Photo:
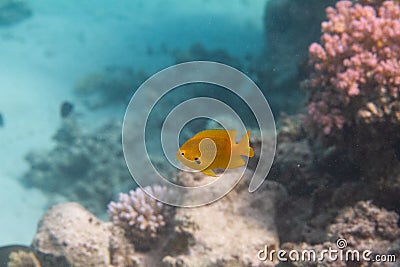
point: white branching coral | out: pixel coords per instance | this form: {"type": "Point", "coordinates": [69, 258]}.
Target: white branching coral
{"type": "Point", "coordinates": [141, 216]}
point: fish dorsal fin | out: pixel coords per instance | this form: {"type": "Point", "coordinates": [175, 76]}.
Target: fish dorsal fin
{"type": "Point", "coordinates": [205, 134]}
{"type": "Point", "coordinates": [215, 133]}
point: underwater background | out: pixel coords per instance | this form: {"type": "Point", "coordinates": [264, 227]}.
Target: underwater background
{"type": "Point", "coordinates": [69, 68]}
{"type": "Point", "coordinates": [50, 49]}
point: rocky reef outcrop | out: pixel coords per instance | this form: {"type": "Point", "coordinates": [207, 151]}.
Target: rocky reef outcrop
{"type": "Point", "coordinates": [328, 162]}
{"type": "Point", "coordinates": [363, 227]}
{"type": "Point", "coordinates": [69, 235]}
{"type": "Point", "coordinates": [23, 259]}
{"type": "Point", "coordinates": [228, 232]}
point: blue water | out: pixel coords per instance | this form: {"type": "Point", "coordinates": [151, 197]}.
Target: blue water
{"type": "Point", "coordinates": [42, 58]}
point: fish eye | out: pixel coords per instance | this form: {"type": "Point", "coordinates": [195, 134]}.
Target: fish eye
{"type": "Point", "coordinates": [183, 153]}
{"type": "Point", "coordinates": [196, 158]}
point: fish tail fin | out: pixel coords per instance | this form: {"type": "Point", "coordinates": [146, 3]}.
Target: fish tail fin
{"type": "Point", "coordinates": [244, 146]}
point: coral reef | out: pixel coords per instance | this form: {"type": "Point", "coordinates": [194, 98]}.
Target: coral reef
{"type": "Point", "coordinates": [374, 3]}
{"type": "Point", "coordinates": [295, 169]}
{"type": "Point", "coordinates": [321, 183]}
{"type": "Point", "coordinates": [296, 207]}
{"type": "Point", "coordinates": [242, 224]}
{"type": "Point", "coordinates": [23, 259]}
{"type": "Point", "coordinates": [356, 69]}
{"type": "Point", "coordinates": [364, 227]}
{"type": "Point", "coordinates": [354, 92]}
{"type": "Point", "coordinates": [122, 251]}
{"type": "Point", "coordinates": [290, 26]}
{"type": "Point", "coordinates": [87, 167]}
{"type": "Point", "coordinates": [68, 235]}
{"type": "Point", "coordinates": [109, 87]}
{"type": "Point", "coordinates": [228, 232]}
{"type": "Point", "coordinates": [141, 216]}
{"type": "Point", "coordinates": [13, 11]}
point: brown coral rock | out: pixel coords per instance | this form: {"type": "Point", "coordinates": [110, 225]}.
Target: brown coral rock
{"type": "Point", "coordinates": [23, 259]}
{"type": "Point", "coordinates": [69, 235]}
{"type": "Point", "coordinates": [365, 226]}
{"type": "Point", "coordinates": [228, 232]}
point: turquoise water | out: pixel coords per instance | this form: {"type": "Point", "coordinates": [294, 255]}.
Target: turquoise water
{"type": "Point", "coordinates": [45, 55]}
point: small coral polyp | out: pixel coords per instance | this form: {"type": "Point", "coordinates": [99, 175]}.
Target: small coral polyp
{"type": "Point", "coordinates": [356, 68]}
{"type": "Point", "coordinates": [141, 216]}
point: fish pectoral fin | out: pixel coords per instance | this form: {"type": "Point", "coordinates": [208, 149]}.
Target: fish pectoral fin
{"type": "Point", "coordinates": [209, 172]}
{"type": "Point", "coordinates": [236, 162]}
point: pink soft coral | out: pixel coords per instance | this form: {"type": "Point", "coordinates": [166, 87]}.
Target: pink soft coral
{"type": "Point", "coordinates": [356, 76]}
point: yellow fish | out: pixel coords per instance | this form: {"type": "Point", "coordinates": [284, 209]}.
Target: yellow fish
{"type": "Point", "coordinates": [214, 149]}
